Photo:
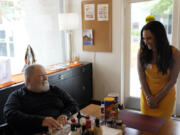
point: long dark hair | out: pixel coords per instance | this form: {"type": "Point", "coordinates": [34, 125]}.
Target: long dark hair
{"type": "Point", "coordinates": [164, 50]}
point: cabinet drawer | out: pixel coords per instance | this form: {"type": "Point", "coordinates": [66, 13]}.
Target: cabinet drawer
{"type": "Point", "coordinates": [82, 70]}
{"type": "Point", "coordinates": [53, 78]}
{"type": "Point", "coordinates": [81, 89]}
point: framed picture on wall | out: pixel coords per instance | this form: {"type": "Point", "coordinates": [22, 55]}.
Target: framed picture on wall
{"type": "Point", "coordinates": [88, 37]}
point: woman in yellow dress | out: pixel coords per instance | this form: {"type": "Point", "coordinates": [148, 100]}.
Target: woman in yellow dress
{"type": "Point", "coordinates": [158, 69]}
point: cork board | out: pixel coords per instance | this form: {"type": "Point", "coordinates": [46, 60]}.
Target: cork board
{"type": "Point", "coordinates": [100, 26]}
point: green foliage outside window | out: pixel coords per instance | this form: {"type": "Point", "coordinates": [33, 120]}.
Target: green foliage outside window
{"type": "Point", "coordinates": [162, 7]}
{"type": "Point", "coordinates": [7, 7]}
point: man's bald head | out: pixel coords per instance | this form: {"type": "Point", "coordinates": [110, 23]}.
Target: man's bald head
{"type": "Point", "coordinates": [30, 70]}
{"type": "Point", "coordinates": [36, 78]}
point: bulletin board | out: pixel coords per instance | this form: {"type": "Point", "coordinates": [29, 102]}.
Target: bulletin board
{"type": "Point", "coordinates": [97, 25]}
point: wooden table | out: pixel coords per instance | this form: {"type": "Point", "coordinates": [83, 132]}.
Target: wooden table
{"type": "Point", "coordinates": [138, 124]}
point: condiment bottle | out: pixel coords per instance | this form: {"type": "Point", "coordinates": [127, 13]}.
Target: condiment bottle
{"type": "Point", "coordinates": [97, 128]}
{"type": "Point", "coordinates": [113, 119]}
{"type": "Point", "coordinates": [73, 127]}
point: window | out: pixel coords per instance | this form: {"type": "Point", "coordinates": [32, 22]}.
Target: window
{"type": "Point", "coordinates": [34, 22]}
{"type": "Point", "coordinates": [6, 44]}
{"type": "Point", "coordinates": [3, 49]}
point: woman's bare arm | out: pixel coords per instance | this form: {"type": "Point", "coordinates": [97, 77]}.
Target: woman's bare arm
{"type": "Point", "coordinates": [142, 78]}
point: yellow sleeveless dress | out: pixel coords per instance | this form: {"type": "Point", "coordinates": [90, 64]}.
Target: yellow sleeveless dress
{"type": "Point", "coordinates": [156, 82]}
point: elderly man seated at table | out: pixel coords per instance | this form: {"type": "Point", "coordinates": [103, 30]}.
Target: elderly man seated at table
{"type": "Point", "coordinates": [38, 106]}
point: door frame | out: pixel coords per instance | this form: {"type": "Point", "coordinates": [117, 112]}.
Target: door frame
{"type": "Point", "coordinates": [133, 102]}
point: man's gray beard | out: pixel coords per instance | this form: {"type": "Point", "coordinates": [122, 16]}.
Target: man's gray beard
{"type": "Point", "coordinates": [44, 87]}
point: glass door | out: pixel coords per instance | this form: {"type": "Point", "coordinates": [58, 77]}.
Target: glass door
{"type": "Point", "coordinates": [138, 11]}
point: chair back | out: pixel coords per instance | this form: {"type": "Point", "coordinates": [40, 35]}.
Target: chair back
{"type": "Point", "coordinates": [5, 129]}
{"type": "Point", "coordinates": [4, 93]}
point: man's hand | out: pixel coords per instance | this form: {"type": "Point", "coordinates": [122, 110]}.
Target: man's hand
{"type": "Point", "coordinates": [51, 123]}
{"type": "Point", "coordinates": [62, 119]}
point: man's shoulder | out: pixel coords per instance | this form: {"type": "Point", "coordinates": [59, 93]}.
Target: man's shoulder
{"type": "Point", "coordinates": [19, 92]}
{"type": "Point", "coordinates": [55, 88]}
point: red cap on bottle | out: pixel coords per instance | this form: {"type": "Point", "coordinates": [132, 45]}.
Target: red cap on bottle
{"type": "Point", "coordinates": [113, 113]}
{"type": "Point", "coordinates": [88, 124]}
{"type": "Point", "coordinates": [87, 117]}
{"type": "Point", "coordinates": [73, 120]}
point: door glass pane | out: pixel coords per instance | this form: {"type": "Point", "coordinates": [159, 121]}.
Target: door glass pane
{"type": "Point", "coordinates": [162, 10]}
{"type": "Point", "coordinates": [3, 49]}
{"type": "Point", "coordinates": [11, 48]}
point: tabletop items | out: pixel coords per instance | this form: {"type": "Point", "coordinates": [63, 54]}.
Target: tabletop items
{"type": "Point", "coordinates": [110, 112]}
{"type": "Point", "coordinates": [85, 125]}
{"type": "Point", "coordinates": [89, 125]}
{"type": "Point", "coordinates": [137, 124]}
{"type": "Point", "coordinates": [108, 121]}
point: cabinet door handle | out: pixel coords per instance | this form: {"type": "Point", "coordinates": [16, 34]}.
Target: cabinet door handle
{"type": "Point", "coordinates": [61, 77]}
{"type": "Point", "coordinates": [83, 70]}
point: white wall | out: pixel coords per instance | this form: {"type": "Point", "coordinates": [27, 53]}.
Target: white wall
{"type": "Point", "coordinates": [106, 66]}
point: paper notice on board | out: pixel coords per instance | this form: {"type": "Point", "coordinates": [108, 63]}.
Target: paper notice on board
{"type": "Point", "coordinates": [87, 37]}
{"type": "Point", "coordinates": [102, 12]}
{"type": "Point", "coordinates": [89, 12]}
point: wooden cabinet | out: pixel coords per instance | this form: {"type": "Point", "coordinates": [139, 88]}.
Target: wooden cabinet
{"type": "Point", "coordinates": [76, 81]}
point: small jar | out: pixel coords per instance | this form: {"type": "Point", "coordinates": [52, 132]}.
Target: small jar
{"type": "Point", "coordinates": [119, 124]}
{"type": "Point", "coordinates": [109, 122]}
{"type": "Point", "coordinates": [102, 108]}
{"type": "Point", "coordinates": [123, 128]}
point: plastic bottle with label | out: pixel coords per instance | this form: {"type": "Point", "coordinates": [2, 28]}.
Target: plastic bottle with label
{"type": "Point", "coordinates": [73, 127]}
{"type": "Point", "coordinates": [109, 105]}
{"type": "Point", "coordinates": [97, 127]}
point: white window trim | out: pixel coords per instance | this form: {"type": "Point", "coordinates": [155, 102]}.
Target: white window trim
{"type": "Point", "coordinates": [126, 49]}
{"type": "Point", "coordinates": [176, 43]}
